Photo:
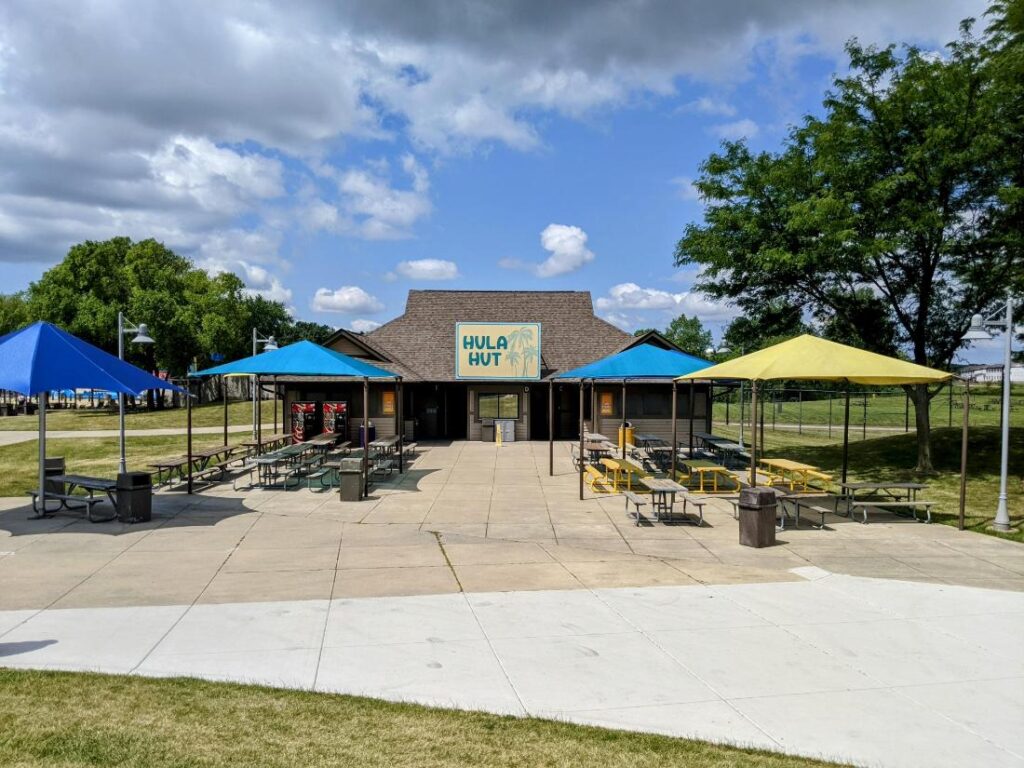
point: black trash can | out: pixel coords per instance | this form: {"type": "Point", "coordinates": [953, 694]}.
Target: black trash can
{"type": "Point", "coordinates": [51, 467]}
{"type": "Point", "coordinates": [757, 517]}
{"type": "Point", "coordinates": [350, 484]}
{"type": "Point", "coordinates": [135, 497]}
{"type": "Point", "coordinates": [362, 434]}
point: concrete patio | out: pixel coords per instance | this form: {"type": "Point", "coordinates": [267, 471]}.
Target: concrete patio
{"type": "Point", "coordinates": [464, 517]}
{"type": "Point", "coordinates": [477, 581]}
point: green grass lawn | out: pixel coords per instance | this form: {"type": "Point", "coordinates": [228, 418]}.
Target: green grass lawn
{"type": "Point", "coordinates": [892, 457]}
{"type": "Point", "coordinates": [885, 409]}
{"type": "Point", "coordinates": [94, 456]}
{"type": "Point", "coordinates": [69, 719]}
{"type": "Point", "coordinates": [209, 415]}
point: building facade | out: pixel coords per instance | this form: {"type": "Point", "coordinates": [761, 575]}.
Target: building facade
{"type": "Point", "coordinates": [468, 358]}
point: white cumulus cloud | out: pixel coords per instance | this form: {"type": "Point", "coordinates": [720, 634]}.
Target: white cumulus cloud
{"type": "Point", "coordinates": [736, 130]}
{"type": "Point", "coordinates": [428, 269]}
{"type": "Point", "coordinates": [631, 298]}
{"type": "Point", "coordinates": [349, 299]}
{"type": "Point", "coordinates": [364, 326]}
{"type": "Point", "coordinates": [381, 211]}
{"type": "Point", "coordinates": [568, 247]}
{"type": "Point", "coordinates": [685, 189]}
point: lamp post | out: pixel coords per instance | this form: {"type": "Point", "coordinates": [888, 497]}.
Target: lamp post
{"type": "Point", "coordinates": [141, 331]}
{"type": "Point", "coordinates": [724, 350]}
{"type": "Point", "coordinates": [269, 343]}
{"type": "Point", "coordinates": [978, 331]}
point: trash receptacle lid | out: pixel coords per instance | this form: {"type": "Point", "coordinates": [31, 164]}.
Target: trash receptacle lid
{"type": "Point", "coordinates": [134, 479]}
{"type": "Point", "coordinates": [757, 497]}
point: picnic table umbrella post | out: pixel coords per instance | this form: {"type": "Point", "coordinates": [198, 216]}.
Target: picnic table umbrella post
{"type": "Point", "coordinates": [366, 436]}
{"type": "Point", "coordinates": [623, 428]}
{"type": "Point", "coordinates": [581, 439]}
{"type": "Point", "coordinates": [551, 428]}
{"type": "Point", "coordinates": [675, 430]}
{"type": "Point", "coordinates": [41, 357]}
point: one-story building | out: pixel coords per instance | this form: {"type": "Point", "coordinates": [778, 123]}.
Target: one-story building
{"type": "Point", "coordinates": [467, 358]}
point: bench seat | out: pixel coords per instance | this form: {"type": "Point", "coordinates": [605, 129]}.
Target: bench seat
{"type": "Point", "coordinates": [636, 500]}
{"type": "Point", "coordinates": [894, 505]}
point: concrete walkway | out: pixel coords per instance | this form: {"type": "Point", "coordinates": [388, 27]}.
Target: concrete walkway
{"type": "Point", "coordinates": [869, 671]}
{"type": "Point", "coordinates": [22, 436]}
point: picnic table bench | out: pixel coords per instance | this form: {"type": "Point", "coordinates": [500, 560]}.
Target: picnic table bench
{"type": "Point", "coordinates": [895, 496]}
{"type": "Point", "coordinates": [89, 484]}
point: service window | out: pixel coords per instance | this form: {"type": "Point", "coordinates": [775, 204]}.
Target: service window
{"type": "Point", "coordinates": [498, 406]}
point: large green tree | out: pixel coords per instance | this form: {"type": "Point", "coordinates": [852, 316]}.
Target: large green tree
{"type": "Point", "coordinates": [14, 313]}
{"type": "Point", "coordinates": [891, 217]}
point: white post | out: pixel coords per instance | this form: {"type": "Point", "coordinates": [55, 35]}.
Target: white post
{"type": "Point", "coordinates": [1002, 522]}
{"type": "Point", "coordinates": [252, 382]}
{"type": "Point", "coordinates": [122, 466]}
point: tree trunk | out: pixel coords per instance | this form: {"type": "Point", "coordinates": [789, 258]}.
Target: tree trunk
{"type": "Point", "coordinates": [922, 419]}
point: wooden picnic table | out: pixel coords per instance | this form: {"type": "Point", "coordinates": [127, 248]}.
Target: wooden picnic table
{"type": "Point", "coordinates": [704, 467]}
{"type": "Point", "coordinates": [597, 449]}
{"type": "Point", "coordinates": [620, 467]}
{"type": "Point", "coordinates": [171, 466]}
{"type": "Point", "coordinates": [793, 473]}
{"type": "Point", "coordinates": [263, 442]}
{"type": "Point", "coordinates": [663, 495]}
{"type": "Point", "coordinates": [595, 437]}
{"type": "Point", "coordinates": [894, 491]}
{"type": "Point", "coordinates": [86, 483]}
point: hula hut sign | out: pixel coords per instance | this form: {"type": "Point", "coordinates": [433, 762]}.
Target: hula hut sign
{"type": "Point", "coordinates": [503, 351]}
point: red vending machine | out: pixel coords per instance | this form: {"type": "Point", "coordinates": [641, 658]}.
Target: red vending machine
{"type": "Point", "coordinates": [303, 421]}
{"type": "Point", "coordinates": [336, 418]}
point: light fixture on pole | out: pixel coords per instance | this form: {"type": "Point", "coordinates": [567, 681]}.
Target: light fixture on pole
{"type": "Point", "coordinates": [269, 344]}
{"type": "Point", "coordinates": [141, 331]}
{"type": "Point", "coordinates": [979, 331]}
{"type": "Point", "coordinates": [724, 350]}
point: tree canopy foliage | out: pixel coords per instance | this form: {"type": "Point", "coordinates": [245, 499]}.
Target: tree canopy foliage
{"type": "Point", "coordinates": [191, 313]}
{"type": "Point", "coordinates": [687, 333]}
{"type": "Point", "coordinates": [894, 215]}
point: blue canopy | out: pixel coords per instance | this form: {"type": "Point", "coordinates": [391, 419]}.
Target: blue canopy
{"type": "Point", "coordinates": [42, 357]}
{"type": "Point", "coordinates": [644, 361]}
{"type": "Point", "coordinates": [303, 358]}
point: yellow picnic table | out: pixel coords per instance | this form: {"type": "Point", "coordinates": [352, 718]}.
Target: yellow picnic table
{"type": "Point", "coordinates": [702, 468]}
{"type": "Point", "coordinates": [621, 467]}
{"type": "Point", "coordinates": [788, 472]}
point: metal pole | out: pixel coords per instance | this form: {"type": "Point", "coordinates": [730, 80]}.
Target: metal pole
{"type": "Point", "coordinates": [259, 422]}
{"type": "Point", "coordinates": [800, 413]}
{"type": "Point", "coordinates": [690, 439]}
{"type": "Point", "coordinates": [623, 427]}
{"type": "Point", "coordinates": [675, 430]}
{"type": "Point", "coordinates": [551, 428]}
{"type": "Point", "coordinates": [906, 411]}
{"type": "Point", "coordinates": [761, 440]}
{"type": "Point", "coordinates": [42, 453]}
{"type": "Point", "coordinates": [581, 438]}
{"type": "Point", "coordinates": [122, 466]}
{"type": "Point", "coordinates": [830, 414]}
{"type": "Point", "coordinates": [846, 433]}
{"type": "Point", "coordinates": [728, 398]}
{"type": "Point", "coordinates": [950, 403]}
{"type": "Point", "coordinates": [400, 416]}
{"type": "Point", "coordinates": [1002, 521]}
{"type": "Point", "coordinates": [366, 436]}
{"type": "Point", "coordinates": [252, 382]}
{"type": "Point", "coordinates": [963, 452]}
{"type": "Point", "coordinates": [224, 396]}
{"type": "Point", "coordinates": [188, 439]}
{"type": "Point", "coordinates": [753, 433]}
{"type": "Point", "coordinates": [741, 415]}
{"type": "Point", "coordinates": [275, 406]}
{"type": "Point", "coordinates": [864, 421]}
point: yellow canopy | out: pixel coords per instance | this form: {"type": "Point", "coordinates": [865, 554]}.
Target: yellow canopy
{"type": "Point", "coordinates": [811, 358]}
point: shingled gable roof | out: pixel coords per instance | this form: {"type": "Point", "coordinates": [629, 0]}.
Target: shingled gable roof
{"type": "Point", "coordinates": [423, 339]}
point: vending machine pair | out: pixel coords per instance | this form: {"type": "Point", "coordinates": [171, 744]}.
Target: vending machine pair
{"type": "Point", "coordinates": [311, 418]}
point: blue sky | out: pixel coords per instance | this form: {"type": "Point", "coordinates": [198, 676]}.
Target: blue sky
{"type": "Point", "coordinates": [336, 158]}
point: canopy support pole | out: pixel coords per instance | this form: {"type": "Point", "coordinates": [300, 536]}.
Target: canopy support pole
{"type": "Point", "coordinates": [275, 406]}
{"type": "Point", "coordinates": [398, 420]}
{"type": "Point", "coordinates": [42, 454]}
{"type": "Point", "coordinates": [753, 433]}
{"type": "Point", "coordinates": [692, 395]}
{"type": "Point", "coordinates": [623, 427]}
{"type": "Point", "coordinates": [846, 432]}
{"type": "Point", "coordinates": [581, 439]}
{"type": "Point", "coordinates": [188, 438]}
{"type": "Point", "coordinates": [963, 451]}
{"type": "Point", "coordinates": [551, 428]}
{"type": "Point", "coordinates": [259, 416]}
{"type": "Point", "coordinates": [366, 436]}
{"type": "Point", "coordinates": [675, 429]}
{"type": "Point", "coordinates": [224, 397]}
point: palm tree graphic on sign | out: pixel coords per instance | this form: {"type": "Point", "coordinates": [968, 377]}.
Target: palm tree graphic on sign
{"type": "Point", "coordinates": [522, 350]}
